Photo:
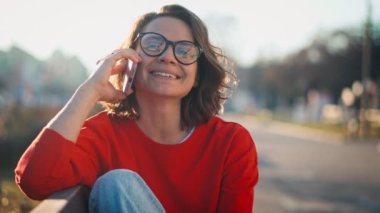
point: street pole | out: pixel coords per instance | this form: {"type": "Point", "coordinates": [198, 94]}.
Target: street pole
{"type": "Point", "coordinates": [364, 128]}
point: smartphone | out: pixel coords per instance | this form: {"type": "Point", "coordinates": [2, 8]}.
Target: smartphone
{"type": "Point", "coordinates": [128, 80]}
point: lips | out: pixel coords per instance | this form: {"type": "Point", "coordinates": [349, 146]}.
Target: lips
{"type": "Point", "coordinates": [163, 74]}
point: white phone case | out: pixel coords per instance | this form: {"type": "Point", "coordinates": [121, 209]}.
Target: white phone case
{"type": "Point", "coordinates": [128, 80]}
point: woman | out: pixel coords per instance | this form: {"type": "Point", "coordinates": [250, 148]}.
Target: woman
{"type": "Point", "coordinates": [160, 147]}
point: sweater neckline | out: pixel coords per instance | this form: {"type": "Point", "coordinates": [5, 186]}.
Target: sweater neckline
{"type": "Point", "coordinates": [185, 141]}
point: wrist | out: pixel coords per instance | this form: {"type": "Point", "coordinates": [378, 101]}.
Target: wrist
{"type": "Point", "coordinates": [87, 93]}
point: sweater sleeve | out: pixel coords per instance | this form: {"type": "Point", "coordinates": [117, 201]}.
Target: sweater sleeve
{"type": "Point", "coordinates": [52, 163]}
{"type": "Point", "coordinates": [240, 175]}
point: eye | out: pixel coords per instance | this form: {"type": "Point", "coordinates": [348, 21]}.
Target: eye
{"type": "Point", "coordinates": [153, 44]}
{"type": "Point", "coordinates": [186, 50]}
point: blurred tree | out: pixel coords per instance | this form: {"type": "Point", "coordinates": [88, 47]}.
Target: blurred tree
{"type": "Point", "coordinates": [329, 63]}
{"type": "Point", "coordinates": [31, 92]}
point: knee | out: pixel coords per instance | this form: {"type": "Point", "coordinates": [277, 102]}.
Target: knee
{"type": "Point", "coordinates": [117, 177]}
{"type": "Point", "coordinates": [123, 189]}
{"type": "Point", "coordinates": [119, 174]}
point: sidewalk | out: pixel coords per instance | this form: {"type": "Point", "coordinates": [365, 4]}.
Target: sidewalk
{"type": "Point", "coordinates": [303, 169]}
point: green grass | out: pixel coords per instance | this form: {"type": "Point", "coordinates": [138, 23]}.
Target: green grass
{"type": "Point", "coordinates": [326, 127]}
{"type": "Point", "coordinates": [12, 199]}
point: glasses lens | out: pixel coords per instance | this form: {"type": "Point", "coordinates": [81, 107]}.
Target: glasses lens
{"type": "Point", "coordinates": [186, 52]}
{"type": "Point", "coordinates": [152, 44]}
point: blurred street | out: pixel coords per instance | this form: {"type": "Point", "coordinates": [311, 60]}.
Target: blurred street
{"type": "Point", "coordinates": [309, 171]}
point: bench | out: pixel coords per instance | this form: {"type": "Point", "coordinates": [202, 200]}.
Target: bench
{"type": "Point", "coordinates": [74, 199]}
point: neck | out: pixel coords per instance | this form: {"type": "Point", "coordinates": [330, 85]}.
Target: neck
{"type": "Point", "coordinates": [160, 120]}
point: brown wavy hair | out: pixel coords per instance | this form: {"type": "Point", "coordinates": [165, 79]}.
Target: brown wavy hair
{"type": "Point", "coordinates": [215, 81]}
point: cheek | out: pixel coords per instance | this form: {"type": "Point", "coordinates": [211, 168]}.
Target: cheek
{"type": "Point", "coordinates": [193, 73]}
{"type": "Point", "coordinates": [140, 71]}
{"type": "Point", "coordinates": [142, 66]}
{"type": "Point", "coordinates": [194, 76]}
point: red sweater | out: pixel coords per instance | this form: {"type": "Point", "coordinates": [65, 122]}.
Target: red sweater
{"type": "Point", "coordinates": [215, 170]}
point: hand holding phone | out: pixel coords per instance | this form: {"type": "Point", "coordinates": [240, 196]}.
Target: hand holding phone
{"type": "Point", "coordinates": [128, 79]}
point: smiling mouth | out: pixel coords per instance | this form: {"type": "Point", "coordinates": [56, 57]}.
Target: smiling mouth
{"type": "Point", "coordinates": [164, 75]}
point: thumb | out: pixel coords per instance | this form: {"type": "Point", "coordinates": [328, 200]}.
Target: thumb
{"type": "Point", "coordinates": [119, 95]}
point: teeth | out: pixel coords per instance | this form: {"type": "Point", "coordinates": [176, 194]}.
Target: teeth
{"type": "Point", "coordinates": [163, 74]}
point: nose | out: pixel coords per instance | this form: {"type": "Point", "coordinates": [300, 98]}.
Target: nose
{"type": "Point", "coordinates": [168, 55]}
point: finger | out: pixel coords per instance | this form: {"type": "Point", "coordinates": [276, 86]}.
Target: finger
{"type": "Point", "coordinates": [117, 61]}
{"type": "Point", "coordinates": [121, 54]}
{"type": "Point", "coordinates": [107, 56]}
{"type": "Point", "coordinates": [117, 95]}
{"type": "Point", "coordinates": [130, 91]}
{"type": "Point", "coordinates": [119, 66]}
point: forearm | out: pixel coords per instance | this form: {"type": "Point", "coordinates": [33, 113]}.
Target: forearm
{"type": "Point", "coordinates": [71, 117]}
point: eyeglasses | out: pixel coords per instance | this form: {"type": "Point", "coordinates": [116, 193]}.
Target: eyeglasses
{"type": "Point", "coordinates": [154, 44]}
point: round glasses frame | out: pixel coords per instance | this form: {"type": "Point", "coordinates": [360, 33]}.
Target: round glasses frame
{"type": "Point", "coordinates": [167, 43]}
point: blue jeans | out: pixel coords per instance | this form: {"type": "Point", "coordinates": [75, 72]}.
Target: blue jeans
{"type": "Point", "coordinates": [122, 190]}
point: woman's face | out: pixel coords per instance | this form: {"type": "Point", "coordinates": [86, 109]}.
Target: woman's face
{"type": "Point", "coordinates": [163, 75]}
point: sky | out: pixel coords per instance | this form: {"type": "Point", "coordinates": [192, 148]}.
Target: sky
{"type": "Point", "coordinates": [246, 29]}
